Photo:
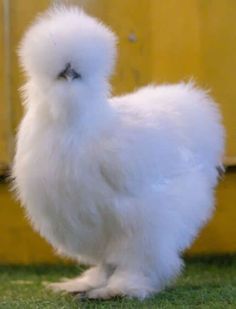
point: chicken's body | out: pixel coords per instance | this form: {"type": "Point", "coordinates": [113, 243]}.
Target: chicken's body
{"type": "Point", "coordinates": [122, 183]}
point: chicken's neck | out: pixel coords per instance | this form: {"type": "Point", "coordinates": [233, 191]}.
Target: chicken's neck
{"type": "Point", "coordinates": [94, 114]}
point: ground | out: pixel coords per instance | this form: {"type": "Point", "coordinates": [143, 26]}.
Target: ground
{"type": "Point", "coordinates": [207, 282]}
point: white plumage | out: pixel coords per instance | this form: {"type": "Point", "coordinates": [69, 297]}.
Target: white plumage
{"type": "Point", "coordinates": [121, 183]}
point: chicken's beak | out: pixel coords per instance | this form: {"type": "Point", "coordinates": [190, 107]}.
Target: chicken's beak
{"type": "Point", "coordinates": [69, 73]}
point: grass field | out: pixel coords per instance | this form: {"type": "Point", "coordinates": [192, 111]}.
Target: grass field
{"type": "Point", "coordinates": [207, 282]}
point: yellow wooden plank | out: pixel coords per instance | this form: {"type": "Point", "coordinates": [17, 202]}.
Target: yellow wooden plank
{"type": "Point", "coordinates": [218, 44]}
{"type": "Point", "coordinates": [19, 244]}
{"type": "Point", "coordinates": [196, 38]}
{"type": "Point", "coordinates": [22, 13]}
{"type": "Point", "coordinates": [130, 20]}
{"type": "Point", "coordinates": [3, 114]}
{"type": "Point", "coordinates": [219, 236]}
{"type": "Point", "coordinates": [176, 41]}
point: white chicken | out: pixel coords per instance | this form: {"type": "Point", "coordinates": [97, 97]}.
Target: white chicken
{"type": "Point", "coordinates": [124, 183]}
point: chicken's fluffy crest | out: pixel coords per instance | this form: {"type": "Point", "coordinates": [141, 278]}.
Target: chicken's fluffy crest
{"type": "Point", "coordinates": [65, 34]}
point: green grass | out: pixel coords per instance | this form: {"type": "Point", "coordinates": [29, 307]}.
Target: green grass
{"type": "Point", "coordinates": [206, 283]}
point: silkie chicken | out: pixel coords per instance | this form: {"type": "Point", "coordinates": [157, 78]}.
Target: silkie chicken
{"type": "Point", "coordinates": [120, 183]}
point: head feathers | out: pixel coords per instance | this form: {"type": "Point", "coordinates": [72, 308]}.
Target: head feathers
{"type": "Point", "coordinates": [67, 35]}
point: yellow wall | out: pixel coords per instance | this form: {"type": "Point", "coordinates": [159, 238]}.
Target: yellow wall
{"type": "Point", "coordinates": [197, 38]}
{"type": "Point", "coordinates": [175, 40]}
{"type": "Point", "coordinates": [159, 41]}
{"type": "Point", "coordinates": [3, 114]}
